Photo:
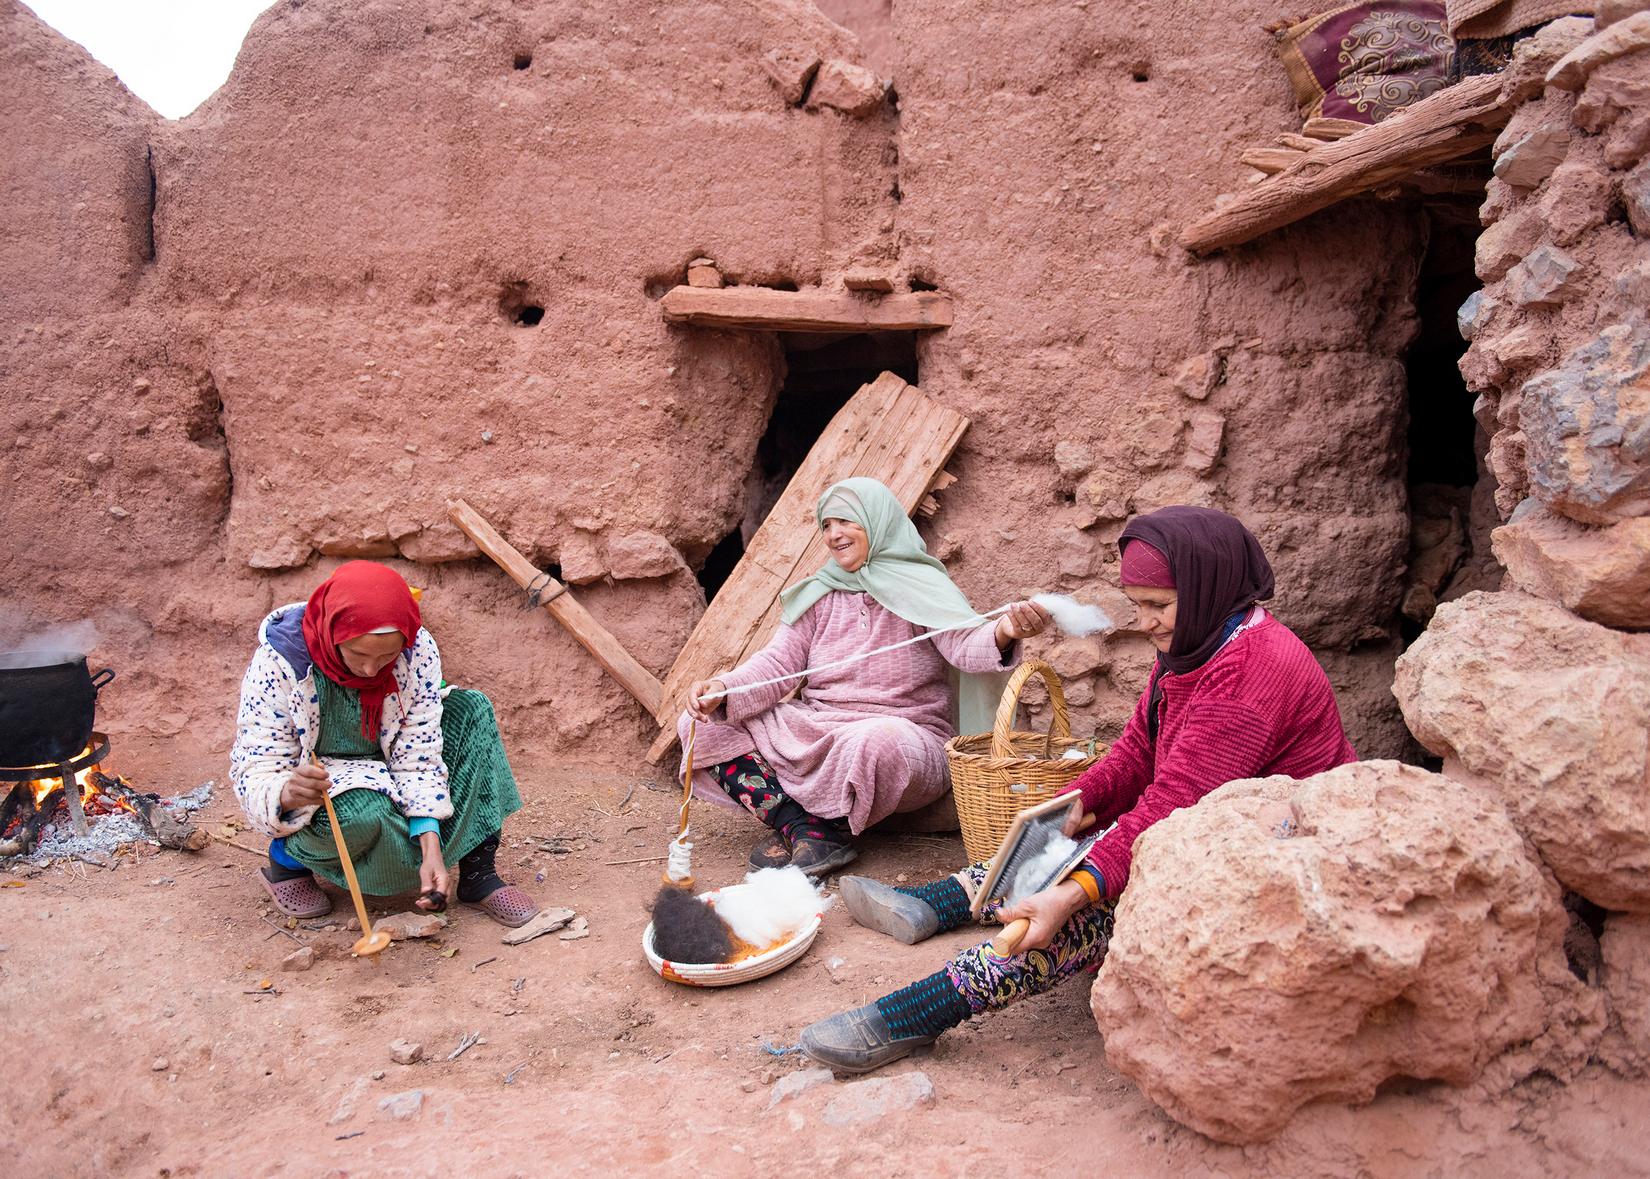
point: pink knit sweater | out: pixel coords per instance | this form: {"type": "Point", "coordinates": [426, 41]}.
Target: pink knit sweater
{"type": "Point", "coordinates": [1260, 706]}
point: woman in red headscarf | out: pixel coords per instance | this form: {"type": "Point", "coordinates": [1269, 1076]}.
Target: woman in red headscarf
{"type": "Point", "coordinates": [1234, 695]}
{"type": "Point", "coordinates": [344, 697]}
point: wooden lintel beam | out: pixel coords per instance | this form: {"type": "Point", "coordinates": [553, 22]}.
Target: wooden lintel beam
{"type": "Point", "coordinates": [765, 309]}
{"type": "Point", "coordinates": [563, 607]}
{"type": "Point", "coordinates": [1452, 123]}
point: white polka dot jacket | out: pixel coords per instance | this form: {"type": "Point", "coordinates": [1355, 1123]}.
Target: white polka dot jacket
{"type": "Point", "coordinates": [279, 721]}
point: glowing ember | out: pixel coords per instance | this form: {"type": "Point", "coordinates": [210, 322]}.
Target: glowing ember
{"type": "Point", "coordinates": [91, 797]}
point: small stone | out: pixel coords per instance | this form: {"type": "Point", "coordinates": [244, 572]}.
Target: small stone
{"type": "Point", "coordinates": [1530, 159]}
{"type": "Point", "coordinates": [141, 385]}
{"type": "Point", "coordinates": [1074, 459]}
{"type": "Point", "coordinates": [1198, 375]}
{"type": "Point", "coordinates": [791, 70]}
{"type": "Point", "coordinates": [411, 448]}
{"type": "Point", "coordinates": [1544, 279]}
{"type": "Point", "coordinates": [406, 1052]}
{"type": "Point", "coordinates": [797, 1084]}
{"type": "Point", "coordinates": [581, 562]}
{"type": "Point", "coordinates": [402, 1106]}
{"type": "Point", "coordinates": [843, 86]}
{"type": "Point", "coordinates": [99, 461]}
{"type": "Point", "coordinates": [702, 272]}
{"type": "Point", "coordinates": [748, 1086]}
{"type": "Point", "coordinates": [1503, 245]}
{"type": "Point", "coordinates": [487, 437]}
{"type": "Point", "coordinates": [160, 1065]}
{"type": "Point", "coordinates": [402, 926]}
{"type": "Point", "coordinates": [867, 1101]}
{"type": "Point", "coordinates": [300, 959]}
{"type": "Point", "coordinates": [1474, 313]}
{"type": "Point", "coordinates": [1204, 440]}
{"type": "Point", "coordinates": [379, 1074]}
{"type": "Point", "coordinates": [118, 512]}
{"type": "Point", "coordinates": [640, 555]}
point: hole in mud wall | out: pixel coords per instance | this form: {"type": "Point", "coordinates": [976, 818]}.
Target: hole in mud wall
{"type": "Point", "coordinates": [522, 60]}
{"type": "Point", "coordinates": [517, 304]}
{"type": "Point", "coordinates": [1444, 442]}
{"type": "Point", "coordinates": [821, 373]}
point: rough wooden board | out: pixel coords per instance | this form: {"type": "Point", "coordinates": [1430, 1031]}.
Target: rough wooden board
{"type": "Point", "coordinates": [563, 607]}
{"type": "Point", "coordinates": [1454, 122]}
{"type": "Point", "coordinates": [764, 309]}
{"type": "Point", "coordinates": [889, 431]}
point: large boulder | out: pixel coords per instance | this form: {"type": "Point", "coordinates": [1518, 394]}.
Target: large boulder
{"type": "Point", "coordinates": [1602, 574]}
{"type": "Point", "coordinates": [1625, 946]}
{"type": "Point", "coordinates": [1587, 428]}
{"type": "Point", "coordinates": [1285, 942]}
{"type": "Point", "coordinates": [1553, 713]}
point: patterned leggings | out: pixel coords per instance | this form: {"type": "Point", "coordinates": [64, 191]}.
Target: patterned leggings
{"type": "Point", "coordinates": [989, 981]}
{"type": "Point", "coordinates": [750, 781]}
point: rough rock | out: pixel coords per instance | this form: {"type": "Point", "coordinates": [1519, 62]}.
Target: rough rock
{"type": "Point", "coordinates": [1552, 713]}
{"type": "Point", "coordinates": [401, 1107]}
{"type": "Point", "coordinates": [1602, 574]}
{"type": "Point", "coordinates": [1197, 376]}
{"type": "Point", "coordinates": [870, 1100]}
{"type": "Point", "coordinates": [795, 1084]}
{"type": "Point", "coordinates": [1474, 313]}
{"type": "Point", "coordinates": [1206, 429]}
{"type": "Point", "coordinates": [1525, 76]}
{"type": "Point", "coordinates": [1616, 105]}
{"type": "Point", "coordinates": [1635, 195]}
{"type": "Point", "coordinates": [1532, 158]}
{"type": "Point", "coordinates": [702, 272]}
{"type": "Point", "coordinates": [1286, 942]}
{"type": "Point", "coordinates": [406, 1052]}
{"type": "Point", "coordinates": [581, 560]}
{"type": "Point", "coordinates": [1503, 245]}
{"type": "Point", "coordinates": [1587, 427]}
{"type": "Point", "coordinates": [1545, 278]}
{"type": "Point", "coordinates": [300, 959]}
{"type": "Point", "coordinates": [1622, 37]}
{"type": "Point", "coordinates": [790, 71]}
{"type": "Point", "coordinates": [868, 278]}
{"type": "Point", "coordinates": [1608, 12]}
{"type": "Point", "coordinates": [1073, 459]}
{"type": "Point", "coordinates": [1625, 977]}
{"type": "Point", "coordinates": [637, 555]}
{"type": "Point", "coordinates": [411, 924]}
{"type": "Point", "coordinates": [843, 86]}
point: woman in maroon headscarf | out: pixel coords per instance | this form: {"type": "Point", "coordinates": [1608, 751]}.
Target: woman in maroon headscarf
{"type": "Point", "coordinates": [344, 697]}
{"type": "Point", "coordinates": [1234, 695]}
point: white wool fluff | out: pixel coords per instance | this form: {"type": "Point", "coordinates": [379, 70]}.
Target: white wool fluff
{"type": "Point", "coordinates": [1077, 619]}
{"type": "Point", "coordinates": [771, 905]}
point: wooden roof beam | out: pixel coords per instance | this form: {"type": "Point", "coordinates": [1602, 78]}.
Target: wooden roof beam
{"type": "Point", "coordinates": [1452, 123]}
{"type": "Point", "coordinates": [765, 309]}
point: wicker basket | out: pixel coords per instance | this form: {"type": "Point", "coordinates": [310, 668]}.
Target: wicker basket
{"type": "Point", "coordinates": [996, 775]}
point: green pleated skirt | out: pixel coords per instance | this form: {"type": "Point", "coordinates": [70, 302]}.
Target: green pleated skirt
{"type": "Point", "coordinates": [386, 859]}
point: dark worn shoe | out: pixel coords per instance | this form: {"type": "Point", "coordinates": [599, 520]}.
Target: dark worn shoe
{"type": "Point", "coordinates": [816, 857]}
{"type": "Point", "coordinates": [887, 910]}
{"type": "Point", "coordinates": [770, 851]}
{"type": "Point", "coordinates": [857, 1041]}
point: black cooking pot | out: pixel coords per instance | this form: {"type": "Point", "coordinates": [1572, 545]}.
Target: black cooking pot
{"type": "Point", "coordinates": [47, 704]}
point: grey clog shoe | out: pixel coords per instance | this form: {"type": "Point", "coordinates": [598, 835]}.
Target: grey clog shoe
{"type": "Point", "coordinates": [858, 1041]}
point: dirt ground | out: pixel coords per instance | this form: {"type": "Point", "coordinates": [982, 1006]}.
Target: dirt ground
{"type": "Point", "coordinates": [134, 1047]}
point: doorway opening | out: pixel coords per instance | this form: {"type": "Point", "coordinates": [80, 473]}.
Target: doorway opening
{"type": "Point", "coordinates": [821, 373]}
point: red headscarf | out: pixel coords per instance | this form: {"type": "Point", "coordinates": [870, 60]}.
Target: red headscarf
{"type": "Point", "coordinates": [359, 598]}
{"type": "Point", "coordinates": [1144, 565]}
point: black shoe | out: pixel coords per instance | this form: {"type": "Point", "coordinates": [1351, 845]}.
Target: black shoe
{"type": "Point", "coordinates": [858, 1041]}
{"type": "Point", "coordinates": [816, 857]}
{"type": "Point", "coordinates": [770, 851]}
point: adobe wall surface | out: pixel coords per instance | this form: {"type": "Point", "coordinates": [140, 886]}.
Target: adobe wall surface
{"type": "Point", "coordinates": [324, 347]}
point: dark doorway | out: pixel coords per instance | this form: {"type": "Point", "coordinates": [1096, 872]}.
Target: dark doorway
{"type": "Point", "coordinates": [821, 373]}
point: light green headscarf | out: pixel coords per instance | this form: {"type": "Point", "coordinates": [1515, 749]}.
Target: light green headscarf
{"type": "Point", "coordinates": [898, 573]}
{"type": "Point", "coordinates": [901, 576]}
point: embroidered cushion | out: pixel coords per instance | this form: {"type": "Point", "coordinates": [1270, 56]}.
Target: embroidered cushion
{"type": "Point", "coordinates": [1361, 62]}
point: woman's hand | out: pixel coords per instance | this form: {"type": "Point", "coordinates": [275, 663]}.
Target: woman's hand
{"type": "Point", "coordinates": [307, 785]}
{"type": "Point", "coordinates": [1047, 911]}
{"type": "Point", "coordinates": [704, 698]}
{"type": "Point", "coordinates": [433, 873]}
{"type": "Point", "coordinates": [1023, 620]}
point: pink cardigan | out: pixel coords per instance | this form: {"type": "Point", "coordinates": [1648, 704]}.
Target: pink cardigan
{"type": "Point", "coordinates": [1260, 706]}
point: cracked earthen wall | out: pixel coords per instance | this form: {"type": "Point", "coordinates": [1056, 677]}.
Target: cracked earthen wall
{"type": "Point", "coordinates": [327, 341]}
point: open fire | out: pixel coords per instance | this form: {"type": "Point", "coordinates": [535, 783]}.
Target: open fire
{"type": "Point", "coordinates": [78, 791]}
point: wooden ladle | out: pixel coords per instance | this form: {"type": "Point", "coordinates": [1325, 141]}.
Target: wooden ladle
{"type": "Point", "coordinates": [371, 941]}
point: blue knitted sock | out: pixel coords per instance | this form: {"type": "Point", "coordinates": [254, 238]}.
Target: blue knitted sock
{"type": "Point", "coordinates": [948, 898]}
{"type": "Point", "coordinates": [925, 1008]}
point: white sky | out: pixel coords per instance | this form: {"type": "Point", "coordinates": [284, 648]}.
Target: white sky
{"type": "Point", "coordinates": [171, 53]}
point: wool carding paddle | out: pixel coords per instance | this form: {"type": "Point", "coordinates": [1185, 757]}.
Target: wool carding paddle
{"type": "Point", "coordinates": [1035, 854]}
{"type": "Point", "coordinates": [371, 941]}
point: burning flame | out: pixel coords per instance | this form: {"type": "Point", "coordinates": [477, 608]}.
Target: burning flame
{"type": "Point", "coordinates": [82, 779]}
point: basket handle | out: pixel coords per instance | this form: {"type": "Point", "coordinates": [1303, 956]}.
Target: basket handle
{"type": "Point", "coordinates": [1059, 725]}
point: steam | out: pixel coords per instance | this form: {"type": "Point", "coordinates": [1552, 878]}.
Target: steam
{"type": "Point", "coordinates": [26, 642]}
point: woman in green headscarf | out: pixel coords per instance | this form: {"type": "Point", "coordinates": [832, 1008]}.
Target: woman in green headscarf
{"type": "Point", "coordinates": [865, 740]}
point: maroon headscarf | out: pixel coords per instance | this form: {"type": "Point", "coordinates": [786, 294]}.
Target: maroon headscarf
{"type": "Point", "coordinates": [1218, 570]}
